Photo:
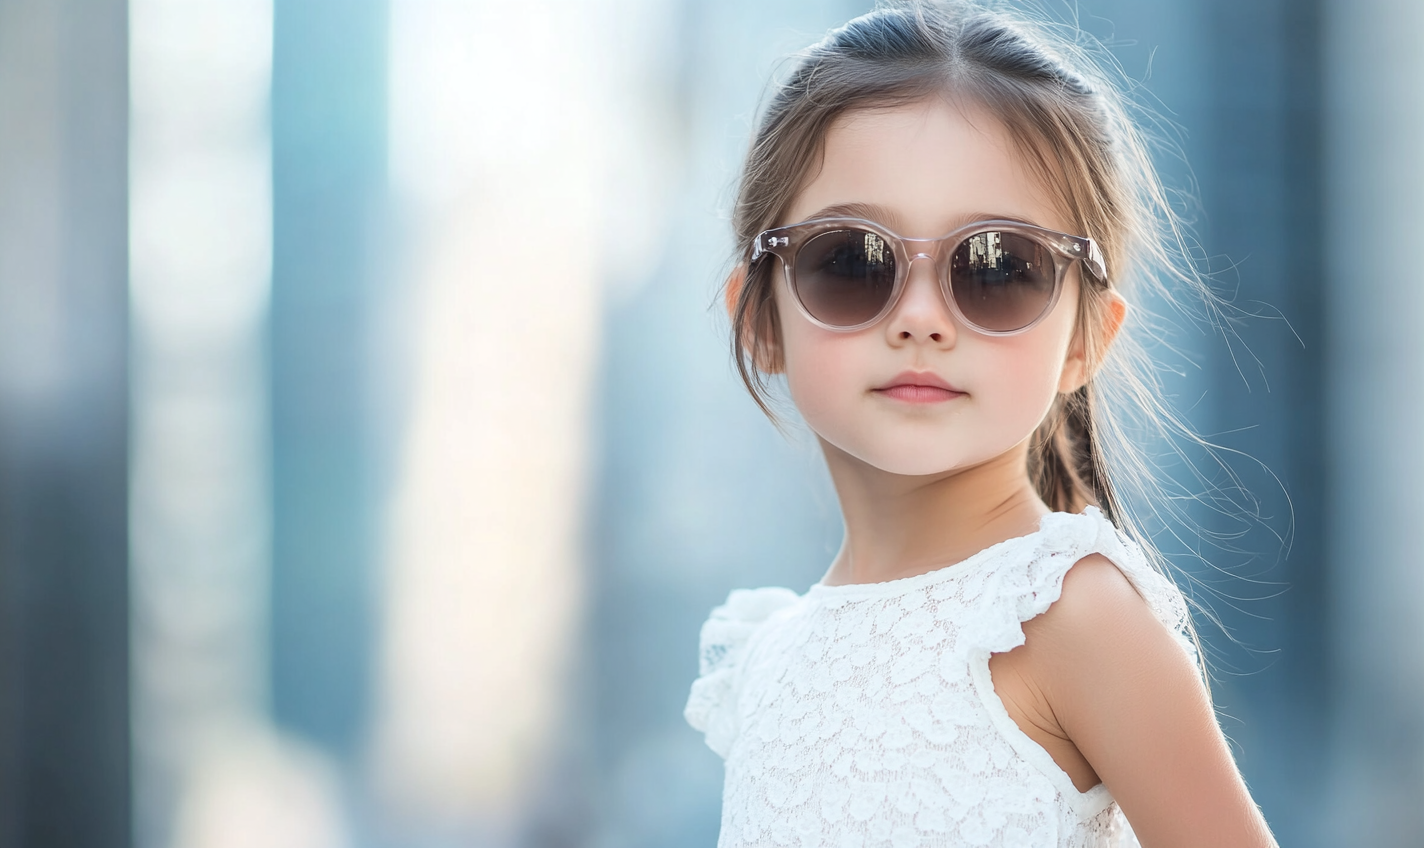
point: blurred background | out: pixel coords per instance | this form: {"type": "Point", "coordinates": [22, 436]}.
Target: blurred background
{"type": "Point", "coordinates": [370, 451]}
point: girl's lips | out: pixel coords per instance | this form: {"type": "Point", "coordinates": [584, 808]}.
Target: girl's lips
{"type": "Point", "coordinates": [919, 394]}
{"type": "Point", "coordinates": [919, 387]}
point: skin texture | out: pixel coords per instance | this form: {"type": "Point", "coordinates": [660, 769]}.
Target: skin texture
{"type": "Point", "coordinates": [1099, 683]}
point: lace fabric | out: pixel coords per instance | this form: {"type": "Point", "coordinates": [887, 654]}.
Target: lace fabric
{"type": "Point", "coordinates": [865, 714]}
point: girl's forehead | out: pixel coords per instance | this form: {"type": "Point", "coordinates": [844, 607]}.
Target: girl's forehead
{"type": "Point", "coordinates": [932, 165]}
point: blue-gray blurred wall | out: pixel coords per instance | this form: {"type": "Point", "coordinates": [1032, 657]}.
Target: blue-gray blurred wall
{"type": "Point", "coordinates": [64, 745]}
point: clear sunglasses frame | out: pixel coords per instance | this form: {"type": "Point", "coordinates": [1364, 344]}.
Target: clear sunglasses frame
{"type": "Point", "coordinates": [786, 242]}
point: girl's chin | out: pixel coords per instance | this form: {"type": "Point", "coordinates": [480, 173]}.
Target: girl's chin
{"type": "Point", "coordinates": [908, 464]}
{"type": "Point", "coordinates": [921, 469]}
{"type": "Point", "coordinates": [913, 458]}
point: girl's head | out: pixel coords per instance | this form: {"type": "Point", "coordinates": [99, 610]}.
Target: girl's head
{"type": "Point", "coordinates": [923, 118]}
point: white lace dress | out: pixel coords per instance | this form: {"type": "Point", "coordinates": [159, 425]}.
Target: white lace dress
{"type": "Point", "coordinates": [864, 715]}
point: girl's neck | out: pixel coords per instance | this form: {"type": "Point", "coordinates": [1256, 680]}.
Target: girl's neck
{"type": "Point", "coordinates": [898, 526]}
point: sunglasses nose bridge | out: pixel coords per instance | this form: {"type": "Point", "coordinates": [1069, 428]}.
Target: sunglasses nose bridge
{"type": "Point", "coordinates": [915, 257]}
{"type": "Point", "coordinates": [934, 260]}
{"type": "Point", "coordinates": [921, 248]}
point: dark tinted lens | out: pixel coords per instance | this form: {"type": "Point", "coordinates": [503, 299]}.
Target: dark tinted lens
{"type": "Point", "coordinates": [1001, 281]}
{"type": "Point", "coordinates": [845, 277]}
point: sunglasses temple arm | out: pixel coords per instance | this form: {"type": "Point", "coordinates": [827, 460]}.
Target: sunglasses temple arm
{"type": "Point", "coordinates": [1095, 262]}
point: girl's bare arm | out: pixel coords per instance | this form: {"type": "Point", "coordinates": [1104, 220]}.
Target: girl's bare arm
{"type": "Point", "coordinates": [1120, 687]}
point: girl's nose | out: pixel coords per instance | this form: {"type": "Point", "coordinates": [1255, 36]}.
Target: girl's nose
{"type": "Point", "coordinates": [921, 315]}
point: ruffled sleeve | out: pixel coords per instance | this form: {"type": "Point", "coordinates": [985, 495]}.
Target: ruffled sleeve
{"type": "Point", "coordinates": [712, 703]}
{"type": "Point", "coordinates": [1019, 594]}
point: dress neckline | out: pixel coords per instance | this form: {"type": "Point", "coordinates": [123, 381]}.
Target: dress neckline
{"type": "Point", "coordinates": [966, 566]}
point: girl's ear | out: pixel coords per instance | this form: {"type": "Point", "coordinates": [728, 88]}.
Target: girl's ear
{"type": "Point", "coordinates": [1075, 368]}
{"type": "Point", "coordinates": [766, 357]}
{"type": "Point", "coordinates": [732, 292]}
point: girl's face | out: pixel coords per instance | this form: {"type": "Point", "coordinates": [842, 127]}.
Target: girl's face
{"type": "Point", "coordinates": [922, 170]}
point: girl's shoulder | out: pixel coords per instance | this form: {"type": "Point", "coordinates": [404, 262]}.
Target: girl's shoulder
{"type": "Point", "coordinates": [1026, 586]}
{"type": "Point", "coordinates": [1092, 539]}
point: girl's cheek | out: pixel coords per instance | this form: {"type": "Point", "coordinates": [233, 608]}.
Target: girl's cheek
{"type": "Point", "coordinates": [1030, 388]}
{"type": "Point", "coordinates": [825, 374]}
{"type": "Point", "coordinates": [814, 378]}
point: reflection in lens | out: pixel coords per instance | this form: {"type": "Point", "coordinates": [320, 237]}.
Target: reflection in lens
{"type": "Point", "coordinates": [1001, 281]}
{"type": "Point", "coordinates": [844, 278]}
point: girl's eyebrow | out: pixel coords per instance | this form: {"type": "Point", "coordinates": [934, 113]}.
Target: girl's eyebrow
{"type": "Point", "coordinates": [869, 211]}
{"type": "Point", "coordinates": [887, 217]}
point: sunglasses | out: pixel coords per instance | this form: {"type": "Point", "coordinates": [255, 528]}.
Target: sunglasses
{"type": "Point", "coordinates": [998, 277]}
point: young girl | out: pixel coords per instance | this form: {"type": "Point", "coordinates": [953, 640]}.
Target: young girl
{"type": "Point", "coordinates": [938, 224]}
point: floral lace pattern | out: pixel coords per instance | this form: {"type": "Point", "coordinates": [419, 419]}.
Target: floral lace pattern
{"type": "Point", "coordinates": [865, 714]}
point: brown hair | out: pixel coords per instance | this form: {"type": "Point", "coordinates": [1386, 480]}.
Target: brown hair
{"type": "Point", "coordinates": [1073, 129]}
